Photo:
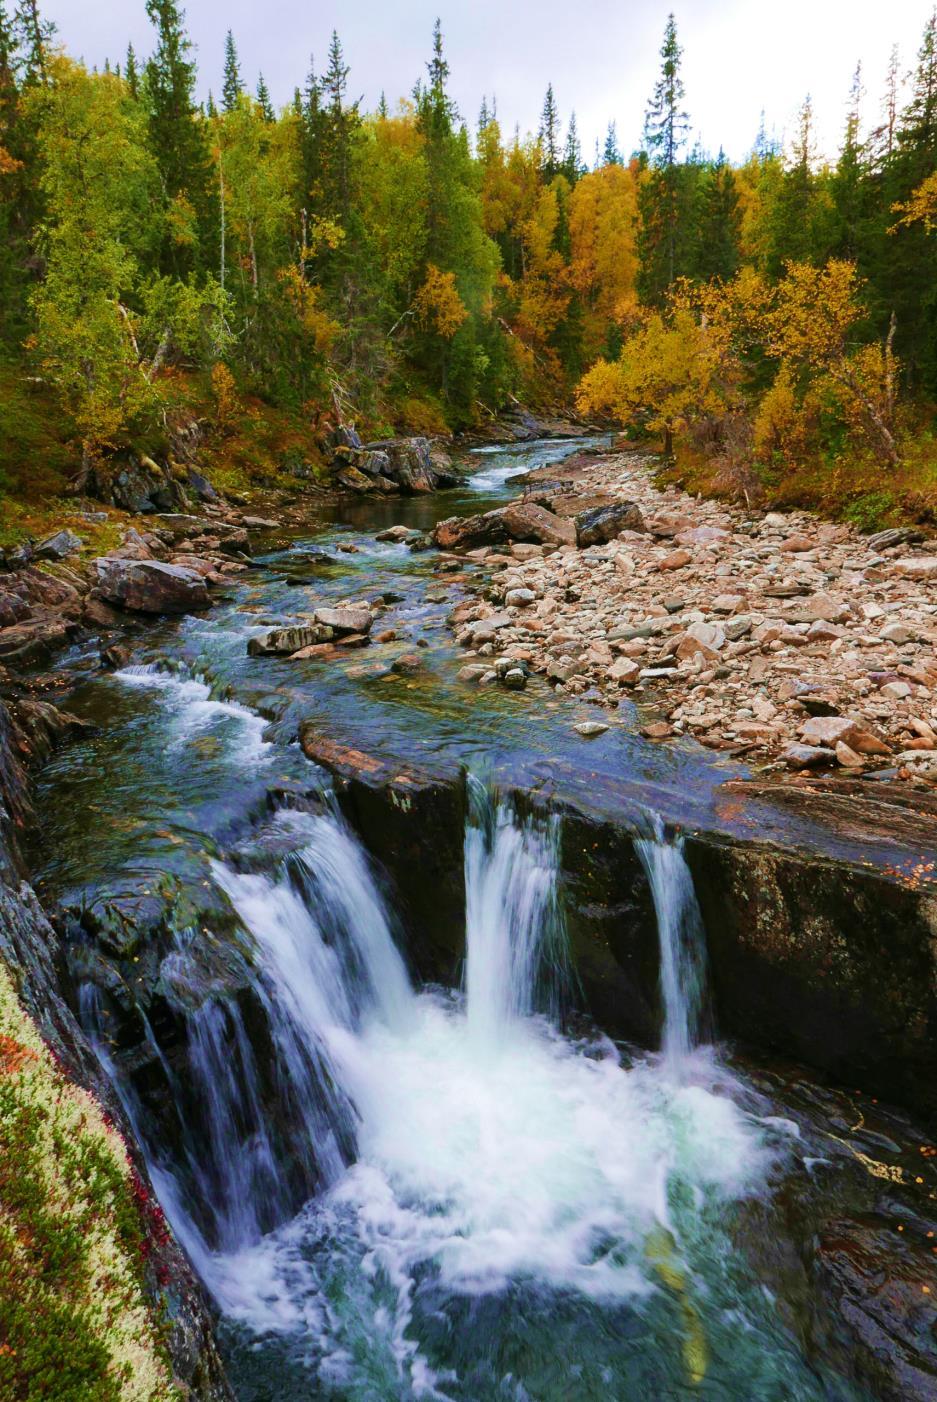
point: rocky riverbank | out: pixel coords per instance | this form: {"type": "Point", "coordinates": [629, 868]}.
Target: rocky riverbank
{"type": "Point", "coordinates": [780, 636]}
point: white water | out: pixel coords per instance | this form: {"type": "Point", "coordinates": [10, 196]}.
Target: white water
{"type": "Point", "coordinates": [194, 711]}
{"type": "Point", "coordinates": [682, 941]}
{"type": "Point", "coordinates": [491, 1150]}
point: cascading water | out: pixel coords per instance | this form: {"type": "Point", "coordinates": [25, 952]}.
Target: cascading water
{"type": "Point", "coordinates": [524, 1217]}
{"type": "Point", "coordinates": [513, 944]}
{"type": "Point", "coordinates": [682, 940]}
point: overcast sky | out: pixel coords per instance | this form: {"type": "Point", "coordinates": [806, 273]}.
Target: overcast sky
{"type": "Point", "coordinates": [741, 56]}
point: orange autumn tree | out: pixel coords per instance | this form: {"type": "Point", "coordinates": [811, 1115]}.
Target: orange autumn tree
{"type": "Point", "coordinates": [603, 265]}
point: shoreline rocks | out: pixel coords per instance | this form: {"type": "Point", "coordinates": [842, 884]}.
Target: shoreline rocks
{"type": "Point", "coordinates": [739, 630]}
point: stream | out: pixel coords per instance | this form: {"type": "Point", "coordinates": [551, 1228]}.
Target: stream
{"type": "Point", "coordinates": [394, 1189]}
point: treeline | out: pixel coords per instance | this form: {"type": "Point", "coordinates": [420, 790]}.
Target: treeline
{"type": "Point", "coordinates": [398, 268]}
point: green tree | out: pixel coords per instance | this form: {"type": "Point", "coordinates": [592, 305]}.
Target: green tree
{"type": "Point", "coordinates": [549, 136]}
{"type": "Point", "coordinates": [178, 140]}
{"type": "Point", "coordinates": [572, 153]}
{"type": "Point", "coordinates": [663, 203]}
{"type": "Point", "coordinates": [263, 99]}
{"type": "Point", "coordinates": [232, 86]}
{"type": "Point", "coordinates": [718, 224]}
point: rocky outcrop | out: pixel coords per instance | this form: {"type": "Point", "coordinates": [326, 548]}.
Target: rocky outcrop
{"type": "Point", "coordinates": [410, 466]}
{"type": "Point", "coordinates": [150, 586]}
{"type": "Point", "coordinates": [137, 484]}
{"type": "Point", "coordinates": [30, 958]}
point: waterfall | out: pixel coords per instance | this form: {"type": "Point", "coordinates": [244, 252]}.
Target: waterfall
{"type": "Point", "coordinates": [515, 958]}
{"type": "Point", "coordinates": [260, 1134]}
{"type": "Point", "coordinates": [682, 940]}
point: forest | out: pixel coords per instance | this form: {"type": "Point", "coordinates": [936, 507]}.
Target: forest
{"type": "Point", "coordinates": [770, 323]}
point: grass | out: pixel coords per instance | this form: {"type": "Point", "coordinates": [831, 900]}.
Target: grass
{"type": "Point", "coordinates": [75, 1321]}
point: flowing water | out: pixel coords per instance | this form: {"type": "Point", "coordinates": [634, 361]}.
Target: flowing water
{"type": "Point", "coordinates": [397, 1191]}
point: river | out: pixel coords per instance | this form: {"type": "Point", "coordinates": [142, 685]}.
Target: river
{"type": "Point", "coordinates": [394, 1189]}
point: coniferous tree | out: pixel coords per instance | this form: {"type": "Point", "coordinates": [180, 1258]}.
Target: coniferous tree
{"type": "Point", "coordinates": [263, 100]}
{"type": "Point", "coordinates": [611, 155]}
{"type": "Point", "coordinates": [911, 258]}
{"type": "Point", "coordinates": [718, 223]}
{"type": "Point", "coordinates": [664, 196]}
{"type": "Point", "coordinates": [572, 154]}
{"type": "Point", "coordinates": [549, 136]}
{"type": "Point", "coordinates": [232, 86]}
{"type": "Point", "coordinates": [131, 73]}
{"type": "Point", "coordinates": [179, 142]}
{"type": "Point", "coordinates": [849, 184]}
{"type": "Point", "coordinates": [34, 35]}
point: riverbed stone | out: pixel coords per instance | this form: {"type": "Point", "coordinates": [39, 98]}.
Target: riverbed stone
{"type": "Point", "coordinates": [150, 586]}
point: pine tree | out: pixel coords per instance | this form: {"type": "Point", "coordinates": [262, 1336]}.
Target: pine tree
{"type": "Point", "coordinates": [718, 224]}
{"type": "Point", "coordinates": [549, 136]}
{"type": "Point", "coordinates": [848, 185]}
{"type": "Point", "coordinates": [232, 86]}
{"type": "Point", "coordinates": [179, 142]}
{"type": "Point", "coordinates": [910, 261]}
{"type": "Point", "coordinates": [611, 155]}
{"type": "Point", "coordinates": [572, 155]}
{"type": "Point", "coordinates": [665, 196]}
{"type": "Point", "coordinates": [33, 35]}
{"type": "Point", "coordinates": [131, 73]}
{"type": "Point", "coordinates": [383, 111]}
{"type": "Point", "coordinates": [263, 100]}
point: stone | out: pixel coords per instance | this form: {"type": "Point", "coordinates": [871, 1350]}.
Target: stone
{"type": "Point", "coordinates": [473, 672]}
{"type": "Point", "coordinates": [560, 669]}
{"type": "Point", "coordinates": [702, 535]}
{"type": "Point", "coordinates": [917, 567]}
{"type": "Point", "coordinates": [623, 671]}
{"type": "Point", "coordinates": [520, 598]}
{"type": "Point", "coordinates": [829, 730]}
{"type": "Point", "coordinates": [58, 546]}
{"type": "Point", "coordinates": [898, 691]}
{"type": "Point", "coordinates": [345, 619]}
{"type": "Point", "coordinates": [676, 560]}
{"type": "Point", "coordinates": [807, 756]}
{"type": "Point", "coordinates": [657, 730]}
{"type": "Point", "coordinates": [797, 545]}
{"type": "Point", "coordinates": [738, 627]}
{"type": "Point", "coordinates": [525, 521]}
{"type": "Point", "coordinates": [407, 663]}
{"type": "Point", "coordinates": [847, 757]}
{"type": "Point", "coordinates": [354, 480]}
{"type": "Point", "coordinates": [515, 679]}
{"type": "Point", "coordinates": [897, 633]}
{"type": "Point", "coordinates": [285, 642]}
{"type": "Point", "coordinates": [260, 523]}
{"type": "Point", "coordinates": [589, 729]}
{"type": "Point", "coordinates": [149, 586]}
{"type": "Point", "coordinates": [603, 523]}
{"type": "Point", "coordinates": [396, 534]}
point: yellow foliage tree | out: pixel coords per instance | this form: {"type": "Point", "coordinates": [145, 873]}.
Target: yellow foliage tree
{"type": "Point", "coordinates": [603, 212]}
{"type": "Point", "coordinates": [438, 304]}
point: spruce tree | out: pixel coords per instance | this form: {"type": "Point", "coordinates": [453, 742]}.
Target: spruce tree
{"type": "Point", "coordinates": [232, 86]}
{"type": "Point", "coordinates": [178, 138]}
{"type": "Point", "coordinates": [718, 223]}
{"type": "Point", "coordinates": [665, 199]}
{"type": "Point", "coordinates": [549, 136]}
{"type": "Point", "coordinates": [611, 155]}
{"type": "Point", "coordinates": [33, 36]}
{"type": "Point", "coordinates": [131, 72]}
{"type": "Point", "coordinates": [572, 155]}
{"type": "Point", "coordinates": [263, 100]}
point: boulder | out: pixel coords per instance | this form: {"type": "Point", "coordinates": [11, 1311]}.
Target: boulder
{"type": "Point", "coordinates": [345, 619]}
{"type": "Point", "coordinates": [603, 523]}
{"type": "Point", "coordinates": [149, 586]}
{"type": "Point", "coordinates": [917, 567]}
{"type": "Point", "coordinates": [58, 546]}
{"type": "Point", "coordinates": [284, 642]}
{"type": "Point", "coordinates": [525, 521]}
{"type": "Point", "coordinates": [354, 480]}
{"type": "Point", "coordinates": [462, 532]}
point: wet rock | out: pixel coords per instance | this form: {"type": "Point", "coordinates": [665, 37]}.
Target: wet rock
{"type": "Point", "coordinates": [407, 663]}
{"type": "Point", "coordinates": [345, 619]}
{"type": "Point", "coordinates": [514, 679]}
{"type": "Point", "coordinates": [284, 642]}
{"type": "Point", "coordinates": [396, 534]}
{"type": "Point", "coordinates": [603, 523]}
{"type": "Point", "coordinates": [259, 523]}
{"type": "Point", "coordinates": [149, 586]}
{"type": "Point", "coordinates": [590, 729]}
